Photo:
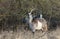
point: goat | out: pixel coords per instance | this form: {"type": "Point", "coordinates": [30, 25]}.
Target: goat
{"type": "Point", "coordinates": [37, 23]}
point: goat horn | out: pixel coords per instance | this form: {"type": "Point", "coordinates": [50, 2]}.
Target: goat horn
{"type": "Point", "coordinates": [32, 10]}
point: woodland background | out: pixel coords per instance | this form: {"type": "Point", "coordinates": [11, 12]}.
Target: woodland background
{"type": "Point", "coordinates": [13, 11]}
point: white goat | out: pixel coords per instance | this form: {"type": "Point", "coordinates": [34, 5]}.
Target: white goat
{"type": "Point", "coordinates": [37, 24]}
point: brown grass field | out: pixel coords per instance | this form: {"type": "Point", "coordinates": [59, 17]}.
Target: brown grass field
{"type": "Point", "coordinates": [27, 34]}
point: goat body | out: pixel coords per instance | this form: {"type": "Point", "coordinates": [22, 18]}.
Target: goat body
{"type": "Point", "coordinates": [35, 26]}
{"type": "Point", "coordinates": [38, 25]}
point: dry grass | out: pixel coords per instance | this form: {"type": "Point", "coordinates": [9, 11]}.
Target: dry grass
{"type": "Point", "coordinates": [27, 34]}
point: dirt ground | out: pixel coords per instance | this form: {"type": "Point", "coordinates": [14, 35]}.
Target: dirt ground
{"type": "Point", "coordinates": [27, 34]}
